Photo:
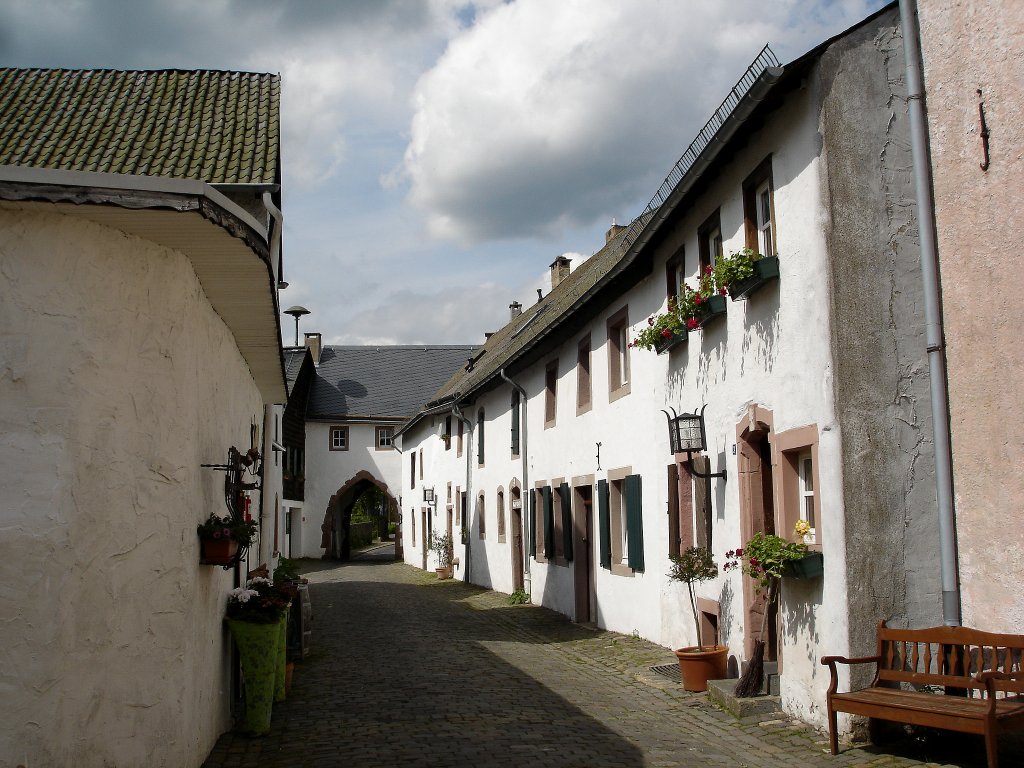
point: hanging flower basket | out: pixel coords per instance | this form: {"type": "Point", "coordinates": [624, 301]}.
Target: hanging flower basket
{"type": "Point", "coordinates": [765, 269]}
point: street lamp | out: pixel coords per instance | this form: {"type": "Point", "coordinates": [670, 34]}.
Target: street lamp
{"type": "Point", "coordinates": [296, 312]}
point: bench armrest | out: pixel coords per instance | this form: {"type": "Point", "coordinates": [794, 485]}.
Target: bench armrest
{"type": "Point", "coordinates": [831, 661]}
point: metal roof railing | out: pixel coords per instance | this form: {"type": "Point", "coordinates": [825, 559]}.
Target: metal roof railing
{"type": "Point", "coordinates": [764, 60]}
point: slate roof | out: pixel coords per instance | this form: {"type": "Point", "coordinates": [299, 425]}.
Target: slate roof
{"type": "Point", "coordinates": [213, 126]}
{"type": "Point", "coordinates": [389, 382]}
{"type": "Point", "coordinates": [293, 357]}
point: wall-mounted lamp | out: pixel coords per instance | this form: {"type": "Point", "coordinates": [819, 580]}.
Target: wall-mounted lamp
{"type": "Point", "coordinates": [429, 497]}
{"type": "Point", "coordinates": [686, 435]}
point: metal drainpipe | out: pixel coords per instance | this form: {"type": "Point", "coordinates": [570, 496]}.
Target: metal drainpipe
{"type": "Point", "coordinates": [932, 312]}
{"type": "Point", "coordinates": [523, 511]}
{"type": "Point", "coordinates": [468, 522]}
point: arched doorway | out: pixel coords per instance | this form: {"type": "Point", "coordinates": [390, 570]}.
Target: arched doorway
{"type": "Point", "coordinates": [757, 514]}
{"type": "Point", "coordinates": [336, 528]}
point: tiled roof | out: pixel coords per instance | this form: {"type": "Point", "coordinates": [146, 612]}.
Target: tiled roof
{"type": "Point", "coordinates": [212, 126]}
{"type": "Point", "coordinates": [381, 382]}
{"type": "Point", "coordinates": [293, 357]}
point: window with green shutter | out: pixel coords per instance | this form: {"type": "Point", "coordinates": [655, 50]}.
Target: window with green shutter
{"type": "Point", "coordinates": [515, 422]}
{"type": "Point", "coordinates": [480, 437]}
{"type": "Point", "coordinates": [634, 522]}
{"type": "Point", "coordinates": [565, 496]}
{"type": "Point", "coordinates": [604, 524]}
{"type": "Point", "coordinates": [549, 523]}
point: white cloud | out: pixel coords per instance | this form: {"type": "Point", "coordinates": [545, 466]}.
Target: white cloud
{"type": "Point", "coordinates": [545, 115]}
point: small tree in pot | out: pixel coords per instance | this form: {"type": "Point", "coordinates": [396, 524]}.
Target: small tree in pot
{"type": "Point", "coordinates": [442, 544]}
{"type": "Point", "coordinates": [699, 663]}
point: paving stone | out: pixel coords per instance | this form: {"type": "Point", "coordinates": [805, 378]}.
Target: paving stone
{"type": "Point", "coordinates": [407, 671]}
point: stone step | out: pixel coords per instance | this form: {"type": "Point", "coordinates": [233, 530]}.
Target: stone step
{"type": "Point", "coordinates": [723, 693]}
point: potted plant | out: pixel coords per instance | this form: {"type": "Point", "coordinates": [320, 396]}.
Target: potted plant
{"type": "Point", "coordinates": [447, 438]}
{"type": "Point", "coordinates": [765, 559]}
{"type": "Point", "coordinates": [663, 332]}
{"type": "Point", "coordinates": [222, 537]}
{"type": "Point", "coordinates": [255, 614]}
{"type": "Point", "coordinates": [745, 272]}
{"type": "Point", "coordinates": [698, 663]}
{"type": "Point", "coordinates": [442, 544]}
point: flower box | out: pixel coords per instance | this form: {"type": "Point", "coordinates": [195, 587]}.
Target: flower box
{"type": "Point", "coordinates": [711, 309]}
{"type": "Point", "coordinates": [809, 566]}
{"type": "Point", "coordinates": [766, 269]}
{"type": "Point", "coordinates": [676, 339]}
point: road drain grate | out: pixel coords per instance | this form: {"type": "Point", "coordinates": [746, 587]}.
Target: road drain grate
{"type": "Point", "coordinates": [671, 671]}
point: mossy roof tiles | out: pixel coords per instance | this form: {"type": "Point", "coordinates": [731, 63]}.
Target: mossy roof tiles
{"type": "Point", "coordinates": [214, 126]}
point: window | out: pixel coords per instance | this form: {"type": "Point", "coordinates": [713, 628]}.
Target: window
{"type": "Point", "coordinates": [583, 375]}
{"type": "Point", "coordinates": [515, 422]}
{"type": "Point", "coordinates": [550, 389]}
{"type": "Point", "coordinates": [448, 433]}
{"type": "Point", "coordinates": [412, 469]}
{"type": "Point", "coordinates": [385, 435]}
{"type": "Point", "coordinates": [759, 210]}
{"type": "Point", "coordinates": [540, 514]}
{"type": "Point", "coordinates": [449, 499]}
{"type": "Point", "coordinates": [805, 471]}
{"type": "Point", "coordinates": [709, 241]}
{"type": "Point", "coordinates": [799, 482]}
{"type": "Point", "coordinates": [674, 274]}
{"type": "Point", "coordinates": [620, 514]}
{"type": "Point", "coordinates": [421, 463]}
{"type": "Point", "coordinates": [480, 437]}
{"type": "Point", "coordinates": [501, 515]}
{"type": "Point", "coordinates": [339, 438]}
{"type": "Point", "coordinates": [412, 520]}
{"type": "Point", "coordinates": [481, 517]}
{"type": "Point", "coordinates": [563, 522]}
{"type": "Point", "coordinates": [618, 355]}
{"type": "Point", "coordinates": [462, 429]}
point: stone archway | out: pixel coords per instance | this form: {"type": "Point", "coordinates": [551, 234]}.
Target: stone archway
{"type": "Point", "coordinates": [338, 515]}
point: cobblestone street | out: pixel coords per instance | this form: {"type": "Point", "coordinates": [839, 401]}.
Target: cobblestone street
{"type": "Point", "coordinates": [409, 671]}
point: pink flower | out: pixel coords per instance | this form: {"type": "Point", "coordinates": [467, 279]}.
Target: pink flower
{"type": "Point", "coordinates": [698, 299]}
{"type": "Point", "coordinates": [666, 333]}
{"type": "Point", "coordinates": [739, 553]}
{"type": "Point", "coordinates": [753, 562]}
{"type": "Point", "coordinates": [216, 534]}
{"type": "Point", "coordinates": [227, 533]}
{"type": "Point", "coordinates": [709, 270]}
{"type": "Point", "coordinates": [722, 291]}
{"type": "Point", "coordinates": [650, 320]}
{"type": "Point", "coordinates": [692, 323]}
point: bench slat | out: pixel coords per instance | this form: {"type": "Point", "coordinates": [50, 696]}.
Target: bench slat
{"type": "Point", "coordinates": [915, 700]}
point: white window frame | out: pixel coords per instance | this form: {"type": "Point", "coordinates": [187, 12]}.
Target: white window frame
{"type": "Point", "coordinates": [805, 473]}
{"type": "Point", "coordinates": [763, 211]}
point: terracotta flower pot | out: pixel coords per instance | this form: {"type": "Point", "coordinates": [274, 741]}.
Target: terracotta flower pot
{"type": "Point", "coordinates": [444, 573]}
{"type": "Point", "coordinates": [699, 666]}
{"type": "Point", "coordinates": [218, 551]}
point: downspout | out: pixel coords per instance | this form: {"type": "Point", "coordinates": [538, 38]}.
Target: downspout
{"type": "Point", "coordinates": [275, 237]}
{"type": "Point", "coordinates": [932, 312]}
{"type": "Point", "coordinates": [468, 522]}
{"type": "Point", "coordinates": [526, 482]}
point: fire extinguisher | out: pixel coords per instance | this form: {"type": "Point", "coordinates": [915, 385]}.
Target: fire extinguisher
{"type": "Point", "coordinates": [245, 502]}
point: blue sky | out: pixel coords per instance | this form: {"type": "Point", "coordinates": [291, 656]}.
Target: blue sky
{"type": "Point", "coordinates": [439, 154]}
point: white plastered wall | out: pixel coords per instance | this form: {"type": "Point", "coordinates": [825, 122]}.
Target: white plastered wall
{"type": "Point", "coordinates": [117, 380]}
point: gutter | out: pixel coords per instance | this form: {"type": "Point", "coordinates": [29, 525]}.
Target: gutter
{"type": "Point", "coordinates": [939, 383]}
{"type": "Point", "coordinates": [523, 443]}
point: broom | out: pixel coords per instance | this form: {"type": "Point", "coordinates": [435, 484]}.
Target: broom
{"type": "Point", "coordinates": [753, 679]}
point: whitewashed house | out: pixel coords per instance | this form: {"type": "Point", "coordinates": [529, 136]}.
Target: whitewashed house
{"type": "Point", "coordinates": [139, 339]}
{"type": "Point", "coordinates": [560, 478]}
{"type": "Point", "coordinates": [358, 397]}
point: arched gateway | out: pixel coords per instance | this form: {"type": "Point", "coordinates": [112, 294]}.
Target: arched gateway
{"type": "Point", "coordinates": [338, 516]}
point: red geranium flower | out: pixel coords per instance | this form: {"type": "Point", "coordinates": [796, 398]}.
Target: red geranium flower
{"type": "Point", "coordinates": [666, 333]}
{"type": "Point", "coordinates": [692, 323]}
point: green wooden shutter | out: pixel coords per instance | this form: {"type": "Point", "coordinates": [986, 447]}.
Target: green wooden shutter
{"type": "Point", "coordinates": [480, 438]}
{"type": "Point", "coordinates": [604, 524]}
{"type": "Point", "coordinates": [532, 523]}
{"type": "Point", "coordinates": [563, 491]}
{"type": "Point", "coordinates": [634, 522]}
{"type": "Point", "coordinates": [515, 423]}
{"type": "Point", "coordinates": [549, 524]}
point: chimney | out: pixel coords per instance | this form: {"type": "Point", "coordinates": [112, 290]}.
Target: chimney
{"type": "Point", "coordinates": [313, 342]}
{"type": "Point", "coordinates": [611, 233]}
{"type": "Point", "coordinates": [559, 271]}
{"type": "Point", "coordinates": [515, 309]}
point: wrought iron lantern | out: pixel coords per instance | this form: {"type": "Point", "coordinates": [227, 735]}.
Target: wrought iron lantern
{"type": "Point", "coordinates": [429, 497]}
{"type": "Point", "coordinates": [686, 435]}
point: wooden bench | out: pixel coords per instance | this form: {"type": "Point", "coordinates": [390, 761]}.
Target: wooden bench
{"type": "Point", "coordinates": [974, 678]}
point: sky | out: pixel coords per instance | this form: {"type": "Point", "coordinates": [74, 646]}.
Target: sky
{"type": "Point", "coordinates": [438, 155]}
